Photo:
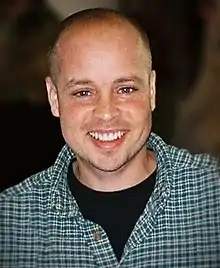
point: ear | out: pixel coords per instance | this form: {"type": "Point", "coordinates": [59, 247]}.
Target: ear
{"type": "Point", "coordinates": [52, 96]}
{"type": "Point", "coordinates": [153, 90]}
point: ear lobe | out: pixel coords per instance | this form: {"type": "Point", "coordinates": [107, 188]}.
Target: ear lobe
{"type": "Point", "coordinates": [52, 96]}
{"type": "Point", "coordinates": [153, 90]}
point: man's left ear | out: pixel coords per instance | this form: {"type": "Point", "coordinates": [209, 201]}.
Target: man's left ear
{"type": "Point", "coordinates": [153, 90]}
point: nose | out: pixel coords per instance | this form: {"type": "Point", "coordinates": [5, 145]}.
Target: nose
{"type": "Point", "coordinates": [106, 108]}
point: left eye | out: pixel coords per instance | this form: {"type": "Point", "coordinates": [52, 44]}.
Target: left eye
{"type": "Point", "coordinates": [125, 90]}
{"type": "Point", "coordinates": [83, 93]}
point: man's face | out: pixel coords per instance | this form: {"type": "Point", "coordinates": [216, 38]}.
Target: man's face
{"type": "Point", "coordinates": [105, 95]}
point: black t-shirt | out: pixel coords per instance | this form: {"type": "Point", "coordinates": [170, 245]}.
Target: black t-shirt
{"type": "Point", "coordinates": [116, 212]}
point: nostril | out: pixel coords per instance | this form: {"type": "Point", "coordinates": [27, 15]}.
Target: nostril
{"type": "Point", "coordinates": [106, 111]}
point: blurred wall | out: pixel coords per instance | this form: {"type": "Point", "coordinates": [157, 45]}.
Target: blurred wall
{"type": "Point", "coordinates": [67, 7]}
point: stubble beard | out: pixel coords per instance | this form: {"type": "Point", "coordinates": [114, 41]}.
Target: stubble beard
{"type": "Point", "coordinates": [118, 168]}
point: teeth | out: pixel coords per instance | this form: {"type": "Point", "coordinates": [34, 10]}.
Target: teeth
{"type": "Point", "coordinates": [100, 137]}
{"type": "Point", "coordinates": [107, 136]}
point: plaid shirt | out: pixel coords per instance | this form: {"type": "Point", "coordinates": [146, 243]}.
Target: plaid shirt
{"type": "Point", "coordinates": [41, 225]}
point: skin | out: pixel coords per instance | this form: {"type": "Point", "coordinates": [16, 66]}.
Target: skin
{"type": "Point", "coordinates": [105, 84]}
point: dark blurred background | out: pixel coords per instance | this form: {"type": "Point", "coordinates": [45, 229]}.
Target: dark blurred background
{"type": "Point", "coordinates": [185, 45]}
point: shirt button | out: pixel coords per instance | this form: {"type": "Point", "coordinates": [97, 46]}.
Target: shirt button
{"type": "Point", "coordinates": [97, 236]}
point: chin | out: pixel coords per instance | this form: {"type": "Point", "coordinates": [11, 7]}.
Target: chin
{"type": "Point", "coordinates": [107, 167]}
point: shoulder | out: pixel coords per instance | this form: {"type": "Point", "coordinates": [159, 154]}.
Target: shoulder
{"type": "Point", "coordinates": [20, 203]}
{"type": "Point", "coordinates": [35, 185]}
{"type": "Point", "coordinates": [183, 159]}
{"type": "Point", "coordinates": [198, 169]}
{"type": "Point", "coordinates": [199, 173]}
{"type": "Point", "coordinates": [36, 193]}
{"type": "Point", "coordinates": [43, 182]}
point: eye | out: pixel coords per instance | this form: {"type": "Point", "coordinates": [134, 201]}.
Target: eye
{"type": "Point", "coordinates": [82, 93]}
{"type": "Point", "coordinates": [126, 90]}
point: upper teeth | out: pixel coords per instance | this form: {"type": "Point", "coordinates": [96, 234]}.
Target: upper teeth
{"type": "Point", "coordinates": [106, 136]}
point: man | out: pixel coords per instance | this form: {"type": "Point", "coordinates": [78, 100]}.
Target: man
{"type": "Point", "coordinates": [115, 201]}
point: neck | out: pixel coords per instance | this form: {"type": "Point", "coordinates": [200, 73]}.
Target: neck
{"type": "Point", "coordinates": [131, 174]}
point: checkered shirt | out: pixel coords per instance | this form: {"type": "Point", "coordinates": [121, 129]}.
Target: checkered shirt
{"type": "Point", "coordinates": [41, 225]}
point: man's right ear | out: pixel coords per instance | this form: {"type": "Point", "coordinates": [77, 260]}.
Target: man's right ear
{"type": "Point", "coordinates": [52, 96]}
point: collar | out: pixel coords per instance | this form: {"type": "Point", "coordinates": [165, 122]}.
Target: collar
{"type": "Point", "coordinates": [61, 199]}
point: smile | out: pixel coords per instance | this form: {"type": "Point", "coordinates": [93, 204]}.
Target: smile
{"type": "Point", "coordinates": [107, 136]}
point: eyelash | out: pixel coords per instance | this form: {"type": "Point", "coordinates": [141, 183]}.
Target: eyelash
{"type": "Point", "coordinates": [83, 93]}
{"type": "Point", "coordinates": [128, 87]}
{"type": "Point", "coordinates": [87, 93]}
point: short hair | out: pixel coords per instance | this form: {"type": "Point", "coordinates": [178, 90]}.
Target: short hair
{"type": "Point", "coordinates": [91, 15]}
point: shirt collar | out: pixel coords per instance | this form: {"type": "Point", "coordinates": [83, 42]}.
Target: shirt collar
{"type": "Point", "coordinates": [61, 199]}
{"type": "Point", "coordinates": [63, 202]}
{"type": "Point", "coordinates": [165, 173]}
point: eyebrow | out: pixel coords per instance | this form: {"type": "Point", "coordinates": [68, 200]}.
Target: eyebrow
{"type": "Point", "coordinates": [133, 78]}
{"type": "Point", "coordinates": [72, 82]}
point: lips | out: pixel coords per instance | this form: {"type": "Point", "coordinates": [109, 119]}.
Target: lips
{"type": "Point", "coordinates": [107, 136]}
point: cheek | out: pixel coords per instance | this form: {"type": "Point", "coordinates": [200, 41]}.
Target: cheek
{"type": "Point", "coordinates": [140, 109]}
{"type": "Point", "coordinates": [73, 116]}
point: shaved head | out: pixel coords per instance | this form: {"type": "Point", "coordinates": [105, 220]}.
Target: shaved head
{"type": "Point", "coordinates": [83, 21]}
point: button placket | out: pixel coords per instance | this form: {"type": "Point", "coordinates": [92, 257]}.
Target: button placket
{"type": "Point", "coordinates": [97, 235]}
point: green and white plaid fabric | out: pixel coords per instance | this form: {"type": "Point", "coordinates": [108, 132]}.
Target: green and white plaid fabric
{"type": "Point", "coordinates": [41, 225]}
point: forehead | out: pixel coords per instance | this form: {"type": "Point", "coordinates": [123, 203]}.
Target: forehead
{"type": "Point", "coordinates": [90, 47]}
{"type": "Point", "coordinates": [98, 35]}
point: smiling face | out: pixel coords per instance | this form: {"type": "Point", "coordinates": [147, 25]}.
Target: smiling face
{"type": "Point", "coordinates": [104, 95]}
